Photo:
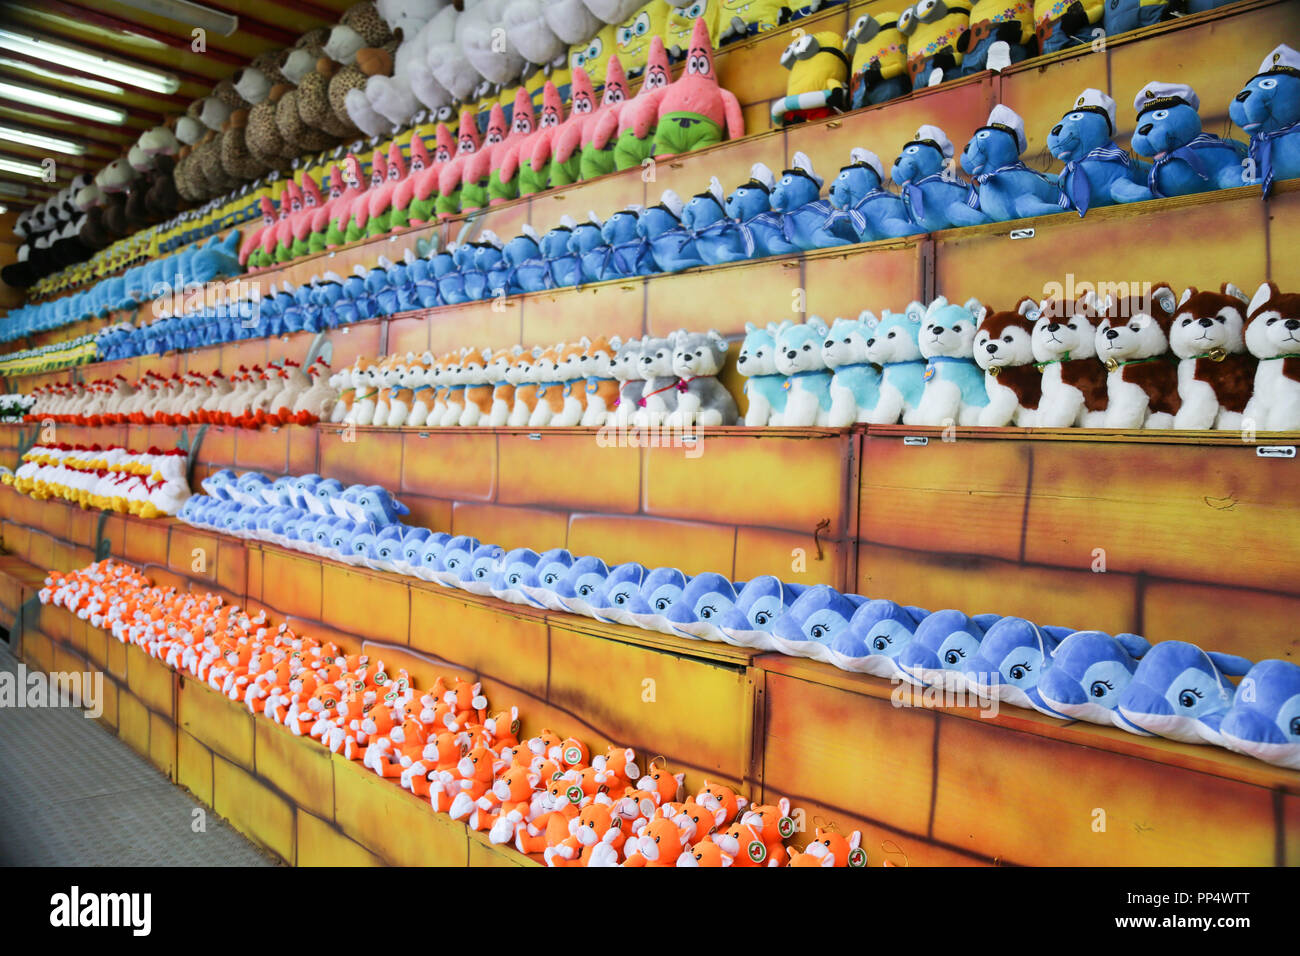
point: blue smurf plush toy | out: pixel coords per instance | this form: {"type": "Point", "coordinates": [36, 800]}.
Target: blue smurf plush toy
{"type": "Point", "coordinates": [1006, 187]}
{"type": "Point", "coordinates": [1268, 110]}
{"type": "Point", "coordinates": [863, 209]}
{"type": "Point", "coordinates": [1097, 172]}
{"type": "Point", "coordinates": [804, 214]}
{"type": "Point", "coordinates": [931, 191]}
{"type": "Point", "coordinates": [761, 230]}
{"type": "Point", "coordinates": [1186, 160]}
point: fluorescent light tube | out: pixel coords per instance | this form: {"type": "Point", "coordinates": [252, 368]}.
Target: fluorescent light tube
{"type": "Point", "coordinates": [183, 11]}
{"type": "Point", "coordinates": [88, 61]}
{"type": "Point", "coordinates": [41, 141]}
{"type": "Point", "coordinates": [83, 109]}
{"type": "Point", "coordinates": [72, 78]}
{"type": "Point", "coordinates": [21, 169]}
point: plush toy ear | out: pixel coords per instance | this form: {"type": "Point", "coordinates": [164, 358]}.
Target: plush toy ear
{"type": "Point", "coordinates": [1187, 294]}
{"type": "Point", "coordinates": [915, 312]}
{"type": "Point", "coordinates": [1164, 297]}
{"type": "Point", "coordinates": [750, 327]}
{"type": "Point", "coordinates": [1029, 308]}
{"type": "Point", "coordinates": [939, 303]}
{"type": "Point", "coordinates": [868, 319]}
{"type": "Point", "coordinates": [741, 803]}
{"type": "Point", "coordinates": [816, 322]}
{"type": "Point", "coordinates": [1229, 289]}
{"type": "Point", "coordinates": [980, 312]}
{"type": "Point", "coordinates": [855, 840]}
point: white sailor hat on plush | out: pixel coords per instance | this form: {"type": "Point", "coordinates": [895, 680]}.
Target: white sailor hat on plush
{"type": "Point", "coordinates": [1283, 59]}
{"type": "Point", "coordinates": [865, 157]}
{"type": "Point", "coordinates": [1008, 120]}
{"type": "Point", "coordinates": [714, 192]}
{"type": "Point", "coordinates": [528, 230]}
{"type": "Point", "coordinates": [672, 202]}
{"type": "Point", "coordinates": [760, 175]}
{"type": "Point", "coordinates": [1095, 101]}
{"type": "Point", "coordinates": [933, 136]}
{"type": "Point", "coordinates": [489, 238]}
{"type": "Point", "coordinates": [594, 219]}
{"type": "Point", "coordinates": [635, 208]}
{"type": "Point", "coordinates": [567, 222]}
{"type": "Point", "coordinates": [801, 165]}
{"type": "Point", "coordinates": [1155, 96]}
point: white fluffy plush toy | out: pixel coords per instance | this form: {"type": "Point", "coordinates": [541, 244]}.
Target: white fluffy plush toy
{"type": "Point", "coordinates": [1273, 337]}
{"type": "Point", "coordinates": [1065, 351]}
{"type": "Point", "coordinates": [530, 32]}
{"type": "Point", "coordinates": [613, 11]}
{"type": "Point", "coordinates": [954, 386]}
{"type": "Point", "coordinates": [487, 43]}
{"type": "Point", "coordinates": [447, 60]}
{"type": "Point", "coordinates": [387, 102]}
{"type": "Point", "coordinates": [1215, 372]}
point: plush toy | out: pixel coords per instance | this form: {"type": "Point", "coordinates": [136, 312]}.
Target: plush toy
{"type": "Point", "coordinates": [1005, 187]}
{"type": "Point", "coordinates": [1273, 337]}
{"type": "Point", "coordinates": [554, 159]}
{"type": "Point", "coordinates": [805, 218]}
{"type": "Point", "coordinates": [931, 193]}
{"type": "Point", "coordinates": [1000, 33]}
{"type": "Point", "coordinates": [1097, 172]}
{"type": "Point", "coordinates": [1133, 341]}
{"type": "Point", "coordinates": [694, 111]}
{"type": "Point", "coordinates": [1120, 16]}
{"type": "Point", "coordinates": [629, 132]}
{"type": "Point", "coordinates": [1180, 692]}
{"type": "Point", "coordinates": [388, 100]}
{"type": "Point", "coordinates": [584, 138]}
{"type": "Point", "coordinates": [364, 46]}
{"type": "Point", "coordinates": [1268, 110]}
{"type": "Point", "coordinates": [863, 209]}
{"type": "Point", "coordinates": [702, 400]}
{"type": "Point", "coordinates": [933, 29]}
{"type": "Point", "coordinates": [829, 848]}
{"type": "Point", "coordinates": [1004, 350]}
{"type": "Point", "coordinates": [1186, 160]}
{"type": "Point", "coordinates": [1012, 658]}
{"type": "Point", "coordinates": [1065, 23]}
{"type": "Point", "coordinates": [424, 182]}
{"type": "Point", "coordinates": [818, 83]}
{"type": "Point", "coordinates": [894, 345]}
{"type": "Point", "coordinates": [633, 35]}
{"type": "Point", "coordinates": [718, 238]}
{"type": "Point", "coordinates": [658, 397]}
{"type": "Point", "coordinates": [878, 51]}
{"type": "Point", "coordinates": [764, 386]}
{"type": "Point", "coordinates": [1215, 372]}
{"type": "Point", "coordinates": [745, 18]}
{"type": "Point", "coordinates": [811, 624]}
{"type": "Point", "coordinates": [953, 386]}
{"type": "Point", "coordinates": [855, 382]}
{"type": "Point", "coordinates": [1090, 671]}
{"type": "Point", "coordinates": [1074, 381]}
{"type": "Point", "coordinates": [807, 385]}
{"type": "Point", "coordinates": [452, 174]}
{"type": "Point", "coordinates": [670, 243]}
{"type": "Point", "coordinates": [1264, 720]}
{"type": "Point", "coordinates": [762, 230]}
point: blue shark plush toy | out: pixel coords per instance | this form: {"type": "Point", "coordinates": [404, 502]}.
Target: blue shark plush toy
{"type": "Point", "coordinates": [1186, 160]}
{"type": "Point", "coordinates": [932, 193]}
{"type": "Point", "coordinates": [1180, 692]}
{"type": "Point", "coordinates": [671, 244]}
{"type": "Point", "coordinates": [1006, 187]}
{"type": "Point", "coordinates": [1097, 172]}
{"type": "Point", "coordinates": [1264, 720]}
{"type": "Point", "coordinates": [1268, 110]}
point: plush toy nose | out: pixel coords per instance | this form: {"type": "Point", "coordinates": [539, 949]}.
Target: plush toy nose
{"type": "Point", "coordinates": [1145, 128]}
{"type": "Point", "coordinates": [991, 347]}
{"type": "Point", "coordinates": [1293, 324]}
{"type": "Point", "coordinates": [1056, 130]}
{"type": "Point", "coordinates": [1053, 326]}
{"type": "Point", "coordinates": [1112, 334]}
{"type": "Point", "coordinates": [791, 354]}
{"type": "Point", "coordinates": [1206, 323]}
{"type": "Point", "coordinates": [1241, 97]}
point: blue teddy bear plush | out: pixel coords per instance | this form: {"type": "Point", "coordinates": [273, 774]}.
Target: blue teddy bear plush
{"type": "Point", "coordinates": [932, 193]}
{"type": "Point", "coordinates": [1006, 187]}
{"type": "Point", "coordinates": [1268, 110]}
{"type": "Point", "coordinates": [1097, 172]}
{"type": "Point", "coordinates": [863, 209]}
{"type": "Point", "coordinates": [671, 244]}
{"type": "Point", "coordinates": [622, 252]}
{"type": "Point", "coordinates": [1186, 160]}
{"type": "Point", "coordinates": [717, 236]}
{"type": "Point", "coordinates": [804, 214]}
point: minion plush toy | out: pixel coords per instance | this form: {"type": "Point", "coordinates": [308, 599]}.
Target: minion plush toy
{"type": "Point", "coordinates": [1065, 23]}
{"type": "Point", "coordinates": [933, 28]}
{"type": "Point", "coordinates": [818, 85]}
{"type": "Point", "coordinates": [878, 51]}
{"type": "Point", "coordinates": [1001, 32]}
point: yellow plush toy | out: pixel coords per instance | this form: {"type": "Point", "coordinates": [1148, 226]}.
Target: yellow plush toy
{"type": "Point", "coordinates": [593, 56]}
{"type": "Point", "coordinates": [819, 79]}
{"type": "Point", "coordinates": [743, 18]}
{"type": "Point", "coordinates": [681, 22]}
{"type": "Point", "coordinates": [878, 51]}
{"type": "Point", "coordinates": [632, 38]}
{"type": "Point", "coordinates": [933, 29]}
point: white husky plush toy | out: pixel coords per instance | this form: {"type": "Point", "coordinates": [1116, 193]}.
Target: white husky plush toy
{"type": "Point", "coordinates": [954, 386]}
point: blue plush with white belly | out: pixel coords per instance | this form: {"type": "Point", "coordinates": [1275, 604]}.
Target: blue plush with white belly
{"type": "Point", "coordinates": [1179, 691]}
{"type": "Point", "coordinates": [813, 621]}
{"type": "Point", "coordinates": [1264, 720]}
{"type": "Point", "coordinates": [1011, 660]}
{"type": "Point", "coordinates": [944, 641]}
{"type": "Point", "coordinates": [877, 633]}
{"type": "Point", "coordinates": [1090, 671]}
{"type": "Point", "coordinates": [702, 604]}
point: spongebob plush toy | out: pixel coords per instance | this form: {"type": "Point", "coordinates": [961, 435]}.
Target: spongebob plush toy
{"type": "Point", "coordinates": [744, 18]}
{"type": "Point", "coordinates": [1001, 32]}
{"type": "Point", "coordinates": [632, 39]}
{"type": "Point", "coordinates": [1065, 23]}
{"type": "Point", "coordinates": [593, 55]}
{"type": "Point", "coordinates": [681, 21]}
{"type": "Point", "coordinates": [818, 85]}
{"type": "Point", "coordinates": [933, 29]}
{"type": "Point", "coordinates": [878, 51]}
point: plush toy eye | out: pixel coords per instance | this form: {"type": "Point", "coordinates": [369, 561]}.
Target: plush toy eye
{"type": "Point", "coordinates": [1295, 727]}
{"type": "Point", "coordinates": [1006, 338]}
{"type": "Point", "coordinates": [807, 347]}
{"type": "Point", "coordinates": [1268, 84]}
{"type": "Point", "coordinates": [1100, 688]}
{"type": "Point", "coordinates": [890, 335]}
{"type": "Point", "coordinates": [1189, 697]}
{"type": "Point", "coordinates": [1160, 115]}
{"type": "Point", "coordinates": [761, 617]}
{"type": "Point", "coordinates": [953, 657]}
{"type": "Point", "coordinates": [1018, 671]}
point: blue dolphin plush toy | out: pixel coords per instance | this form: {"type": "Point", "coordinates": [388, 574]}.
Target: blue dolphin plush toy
{"type": "Point", "coordinates": [701, 606]}
{"type": "Point", "coordinates": [658, 593]}
{"type": "Point", "coordinates": [1268, 110]}
{"type": "Point", "coordinates": [805, 216]}
{"type": "Point", "coordinates": [1179, 691]}
{"type": "Point", "coordinates": [758, 606]}
{"type": "Point", "coordinates": [813, 621]}
{"type": "Point", "coordinates": [1186, 160]}
{"type": "Point", "coordinates": [671, 244]}
{"type": "Point", "coordinates": [1007, 188]}
{"type": "Point", "coordinates": [943, 642]}
{"type": "Point", "coordinates": [513, 568]}
{"type": "Point", "coordinates": [1264, 720]}
{"type": "Point", "coordinates": [1097, 172]}
{"type": "Point", "coordinates": [582, 581]}
{"type": "Point", "coordinates": [476, 574]}
{"type": "Point", "coordinates": [539, 585]}
{"type": "Point", "coordinates": [430, 559]}
{"type": "Point", "coordinates": [611, 600]}
{"type": "Point", "coordinates": [877, 633]}
{"type": "Point", "coordinates": [863, 209]}
{"type": "Point", "coordinates": [1011, 659]}
{"type": "Point", "coordinates": [455, 559]}
{"type": "Point", "coordinates": [932, 193]}
{"type": "Point", "coordinates": [1089, 672]}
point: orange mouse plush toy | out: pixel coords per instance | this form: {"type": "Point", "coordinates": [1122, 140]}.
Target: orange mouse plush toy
{"type": "Point", "coordinates": [722, 801]}
{"type": "Point", "coordinates": [743, 842]}
{"type": "Point", "coordinates": [832, 849]}
{"type": "Point", "coordinates": [658, 843]}
{"type": "Point", "coordinates": [776, 825]}
{"type": "Point", "coordinates": [706, 853]}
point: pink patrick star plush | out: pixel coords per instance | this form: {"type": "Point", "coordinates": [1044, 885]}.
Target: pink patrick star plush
{"type": "Point", "coordinates": [523, 124]}
{"type": "Point", "coordinates": [632, 128]}
{"type": "Point", "coordinates": [253, 242]}
{"type": "Point", "coordinates": [478, 167]}
{"type": "Point", "coordinates": [380, 203]}
{"type": "Point", "coordinates": [321, 218]}
{"type": "Point", "coordinates": [533, 178]}
{"type": "Point", "coordinates": [575, 152]}
{"type": "Point", "coordinates": [449, 180]}
{"type": "Point", "coordinates": [300, 221]}
{"type": "Point", "coordinates": [695, 111]}
{"type": "Point", "coordinates": [290, 202]}
{"type": "Point", "coordinates": [400, 214]}
{"type": "Point", "coordinates": [424, 184]}
{"type": "Point", "coordinates": [547, 153]}
{"type": "Point", "coordinates": [361, 205]}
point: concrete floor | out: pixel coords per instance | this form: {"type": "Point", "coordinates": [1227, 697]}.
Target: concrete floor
{"type": "Point", "coordinates": [72, 794]}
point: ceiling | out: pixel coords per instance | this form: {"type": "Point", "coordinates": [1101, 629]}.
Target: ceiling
{"type": "Point", "coordinates": [123, 32]}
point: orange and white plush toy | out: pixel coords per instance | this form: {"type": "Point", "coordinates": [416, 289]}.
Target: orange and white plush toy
{"type": "Point", "coordinates": [722, 802]}
{"type": "Point", "coordinates": [831, 849]}
{"type": "Point", "coordinates": [657, 843]}
{"type": "Point", "coordinates": [776, 825]}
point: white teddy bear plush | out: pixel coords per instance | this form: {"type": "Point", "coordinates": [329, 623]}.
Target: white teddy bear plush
{"type": "Point", "coordinates": [447, 61]}
{"type": "Point", "coordinates": [388, 102]}
{"type": "Point", "coordinates": [487, 43]}
{"type": "Point", "coordinates": [531, 33]}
